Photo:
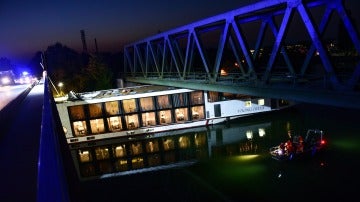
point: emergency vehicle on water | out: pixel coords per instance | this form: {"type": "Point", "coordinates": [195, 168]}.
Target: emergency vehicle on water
{"type": "Point", "coordinates": [297, 146]}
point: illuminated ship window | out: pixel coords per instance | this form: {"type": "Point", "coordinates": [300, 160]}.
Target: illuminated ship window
{"type": "Point", "coordinates": [120, 151]}
{"type": "Point", "coordinates": [129, 105]}
{"type": "Point", "coordinates": [97, 126]}
{"type": "Point", "coordinates": [112, 108]}
{"type": "Point", "coordinates": [163, 102]}
{"type": "Point", "coordinates": [95, 110]}
{"type": "Point", "coordinates": [197, 98]}
{"type": "Point", "coordinates": [197, 112]}
{"type": "Point", "coordinates": [114, 123]}
{"type": "Point", "coordinates": [85, 156]}
{"type": "Point", "coordinates": [247, 103]}
{"type": "Point", "coordinates": [261, 102]}
{"type": "Point", "coordinates": [213, 96]}
{"type": "Point", "coordinates": [80, 128]}
{"type": "Point", "coordinates": [228, 96]}
{"type": "Point", "coordinates": [102, 153]}
{"type": "Point", "coordinates": [132, 121]}
{"type": "Point", "coordinates": [148, 119]}
{"type": "Point", "coordinates": [77, 112]}
{"type": "Point", "coordinates": [146, 103]}
{"type": "Point", "coordinates": [164, 116]}
{"type": "Point", "coordinates": [181, 114]}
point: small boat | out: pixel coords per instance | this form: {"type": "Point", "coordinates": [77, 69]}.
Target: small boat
{"type": "Point", "coordinates": [298, 146]}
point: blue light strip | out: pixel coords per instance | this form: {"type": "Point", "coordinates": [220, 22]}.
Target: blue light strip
{"type": "Point", "coordinates": [51, 181]}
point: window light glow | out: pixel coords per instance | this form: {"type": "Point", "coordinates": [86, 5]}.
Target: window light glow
{"type": "Point", "coordinates": [261, 102]}
{"type": "Point", "coordinates": [261, 132]}
{"type": "Point", "coordinates": [249, 134]}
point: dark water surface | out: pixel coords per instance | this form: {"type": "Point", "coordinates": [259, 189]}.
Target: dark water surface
{"type": "Point", "coordinates": [234, 168]}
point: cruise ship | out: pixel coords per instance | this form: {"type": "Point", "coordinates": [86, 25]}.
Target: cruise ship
{"type": "Point", "coordinates": [150, 109]}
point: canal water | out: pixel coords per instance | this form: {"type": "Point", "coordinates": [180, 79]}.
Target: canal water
{"type": "Point", "coordinates": [230, 162]}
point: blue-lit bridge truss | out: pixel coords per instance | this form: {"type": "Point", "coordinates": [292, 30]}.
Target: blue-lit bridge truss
{"type": "Point", "coordinates": [252, 50]}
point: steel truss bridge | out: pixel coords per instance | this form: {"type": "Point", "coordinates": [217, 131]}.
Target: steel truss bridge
{"type": "Point", "coordinates": [279, 49]}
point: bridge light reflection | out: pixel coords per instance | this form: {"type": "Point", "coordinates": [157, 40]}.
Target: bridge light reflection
{"type": "Point", "coordinates": [261, 132]}
{"type": "Point", "coordinates": [249, 134]}
{"type": "Point", "coordinates": [247, 157]}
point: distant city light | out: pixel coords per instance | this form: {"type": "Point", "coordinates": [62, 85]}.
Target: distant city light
{"type": "Point", "coordinates": [223, 72]}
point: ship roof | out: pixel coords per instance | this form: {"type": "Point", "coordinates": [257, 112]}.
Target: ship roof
{"type": "Point", "coordinates": [120, 93]}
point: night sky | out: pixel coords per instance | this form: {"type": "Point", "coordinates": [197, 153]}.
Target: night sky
{"type": "Point", "coordinates": [30, 26]}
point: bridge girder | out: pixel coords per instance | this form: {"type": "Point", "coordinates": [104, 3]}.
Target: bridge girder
{"type": "Point", "coordinates": [184, 53]}
{"type": "Point", "coordinates": [344, 99]}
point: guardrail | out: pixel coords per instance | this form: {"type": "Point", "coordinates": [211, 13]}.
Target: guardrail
{"type": "Point", "coordinates": [52, 183]}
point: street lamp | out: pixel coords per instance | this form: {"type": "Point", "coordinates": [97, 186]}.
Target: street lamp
{"type": "Point", "coordinates": [61, 84]}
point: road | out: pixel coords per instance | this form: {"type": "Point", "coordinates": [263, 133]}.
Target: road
{"type": "Point", "coordinates": [8, 93]}
{"type": "Point", "coordinates": [19, 148]}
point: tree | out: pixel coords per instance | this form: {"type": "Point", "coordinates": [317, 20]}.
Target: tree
{"type": "Point", "coordinates": [62, 62]}
{"type": "Point", "coordinates": [34, 64]}
{"type": "Point", "coordinates": [98, 75]}
{"type": "Point", "coordinates": [80, 72]}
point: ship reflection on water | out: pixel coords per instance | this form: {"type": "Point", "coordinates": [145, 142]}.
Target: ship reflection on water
{"type": "Point", "coordinates": [225, 162]}
{"type": "Point", "coordinates": [126, 156]}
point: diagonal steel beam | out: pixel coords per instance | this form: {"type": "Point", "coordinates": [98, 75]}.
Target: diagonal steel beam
{"type": "Point", "coordinates": [244, 48]}
{"type": "Point", "coordinates": [282, 51]}
{"type": "Point", "coordinates": [220, 50]}
{"type": "Point", "coordinates": [322, 26]}
{"type": "Point", "coordinates": [317, 42]}
{"type": "Point", "coordinates": [278, 41]}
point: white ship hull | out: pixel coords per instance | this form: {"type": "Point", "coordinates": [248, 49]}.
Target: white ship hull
{"type": "Point", "coordinates": [100, 115]}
